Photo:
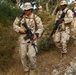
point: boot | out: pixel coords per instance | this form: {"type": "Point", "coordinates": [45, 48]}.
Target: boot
{"type": "Point", "coordinates": [64, 55]}
{"type": "Point", "coordinates": [32, 72]}
{"type": "Point", "coordinates": [26, 73]}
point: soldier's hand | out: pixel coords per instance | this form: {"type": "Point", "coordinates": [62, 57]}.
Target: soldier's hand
{"type": "Point", "coordinates": [22, 30]}
{"type": "Point", "coordinates": [34, 37]}
{"type": "Point", "coordinates": [60, 21]}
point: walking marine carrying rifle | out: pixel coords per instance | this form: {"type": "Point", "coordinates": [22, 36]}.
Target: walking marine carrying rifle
{"type": "Point", "coordinates": [57, 26]}
{"type": "Point", "coordinates": [25, 25]}
{"type": "Point", "coordinates": [62, 35]}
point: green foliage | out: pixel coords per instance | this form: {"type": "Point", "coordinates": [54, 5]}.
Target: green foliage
{"type": "Point", "coordinates": [8, 13]}
{"type": "Point", "coordinates": [45, 42]}
{"type": "Point", "coordinates": [8, 38]}
{"type": "Point", "coordinates": [7, 46]}
{"type": "Point", "coordinates": [70, 6]}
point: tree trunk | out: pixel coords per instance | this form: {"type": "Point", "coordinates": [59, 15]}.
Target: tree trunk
{"type": "Point", "coordinates": [17, 3]}
{"type": "Point", "coordinates": [58, 2]}
{"type": "Point", "coordinates": [47, 5]}
{"type": "Point", "coordinates": [54, 10]}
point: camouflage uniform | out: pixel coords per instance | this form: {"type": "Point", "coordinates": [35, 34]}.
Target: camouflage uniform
{"type": "Point", "coordinates": [27, 50]}
{"type": "Point", "coordinates": [62, 35]}
{"type": "Point", "coordinates": [73, 30]}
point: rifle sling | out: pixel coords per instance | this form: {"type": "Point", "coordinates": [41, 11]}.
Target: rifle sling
{"type": "Point", "coordinates": [63, 13]}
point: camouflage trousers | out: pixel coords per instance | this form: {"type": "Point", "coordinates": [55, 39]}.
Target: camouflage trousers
{"type": "Point", "coordinates": [28, 55]}
{"type": "Point", "coordinates": [61, 38]}
{"type": "Point", "coordinates": [73, 28]}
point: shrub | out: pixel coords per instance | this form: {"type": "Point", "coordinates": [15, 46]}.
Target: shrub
{"type": "Point", "coordinates": [45, 42]}
{"type": "Point", "coordinates": [8, 38]}
{"type": "Point", "coordinates": [8, 13]}
{"type": "Point", "coordinates": [7, 46]}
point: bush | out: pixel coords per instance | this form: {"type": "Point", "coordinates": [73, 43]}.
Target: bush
{"type": "Point", "coordinates": [8, 13]}
{"type": "Point", "coordinates": [8, 38]}
{"type": "Point", "coordinates": [7, 46]}
{"type": "Point", "coordinates": [45, 42]}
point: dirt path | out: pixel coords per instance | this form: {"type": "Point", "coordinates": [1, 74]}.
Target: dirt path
{"type": "Point", "coordinates": [46, 62]}
{"type": "Point", "coordinates": [50, 60]}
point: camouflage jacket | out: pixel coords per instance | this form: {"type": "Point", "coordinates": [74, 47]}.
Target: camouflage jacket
{"type": "Point", "coordinates": [30, 21]}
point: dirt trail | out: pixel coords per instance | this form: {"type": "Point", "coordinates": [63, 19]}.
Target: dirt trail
{"type": "Point", "coordinates": [46, 62]}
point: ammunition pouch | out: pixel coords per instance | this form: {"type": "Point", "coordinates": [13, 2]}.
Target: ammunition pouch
{"type": "Point", "coordinates": [67, 24]}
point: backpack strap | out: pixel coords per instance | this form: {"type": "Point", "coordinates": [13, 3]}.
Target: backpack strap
{"type": "Point", "coordinates": [21, 17]}
{"type": "Point", "coordinates": [34, 18]}
{"type": "Point", "coordinates": [64, 13]}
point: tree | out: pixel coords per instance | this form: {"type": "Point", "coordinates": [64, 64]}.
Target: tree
{"type": "Point", "coordinates": [21, 1]}
{"type": "Point", "coordinates": [56, 6]}
{"type": "Point", "coordinates": [50, 5]}
{"type": "Point", "coordinates": [47, 5]}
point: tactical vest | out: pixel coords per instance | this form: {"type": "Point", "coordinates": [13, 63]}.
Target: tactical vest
{"type": "Point", "coordinates": [21, 16]}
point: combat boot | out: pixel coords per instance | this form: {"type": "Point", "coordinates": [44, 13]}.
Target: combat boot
{"type": "Point", "coordinates": [32, 72]}
{"type": "Point", "coordinates": [26, 73]}
{"type": "Point", "coordinates": [64, 55]}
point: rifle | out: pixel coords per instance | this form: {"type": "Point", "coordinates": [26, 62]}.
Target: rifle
{"type": "Point", "coordinates": [57, 26]}
{"type": "Point", "coordinates": [22, 14]}
{"type": "Point", "coordinates": [29, 34]}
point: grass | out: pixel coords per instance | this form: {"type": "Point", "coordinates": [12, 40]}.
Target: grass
{"type": "Point", "coordinates": [8, 38]}
{"type": "Point", "coordinates": [45, 42]}
{"type": "Point", "coordinates": [7, 46]}
{"type": "Point", "coordinates": [8, 13]}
